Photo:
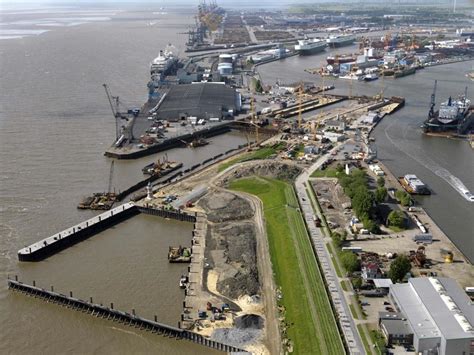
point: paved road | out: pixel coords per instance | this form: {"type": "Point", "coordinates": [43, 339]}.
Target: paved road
{"type": "Point", "coordinates": [336, 293]}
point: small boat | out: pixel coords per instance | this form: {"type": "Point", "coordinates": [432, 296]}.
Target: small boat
{"type": "Point", "coordinates": [371, 77]}
{"type": "Point", "coordinates": [198, 142]}
{"type": "Point", "coordinates": [179, 254]}
{"type": "Point", "coordinates": [183, 281]}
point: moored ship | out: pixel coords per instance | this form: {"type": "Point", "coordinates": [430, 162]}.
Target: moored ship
{"type": "Point", "coordinates": [164, 63]}
{"type": "Point", "coordinates": [341, 40]}
{"type": "Point", "coordinates": [340, 59]}
{"type": "Point", "coordinates": [98, 201]}
{"type": "Point", "coordinates": [413, 185]}
{"type": "Point", "coordinates": [161, 168]}
{"type": "Point", "coordinates": [179, 254]}
{"type": "Point", "coordinates": [453, 115]}
{"type": "Point", "coordinates": [371, 77]}
{"type": "Point", "coordinates": [309, 46]}
{"type": "Point", "coordinates": [401, 72]}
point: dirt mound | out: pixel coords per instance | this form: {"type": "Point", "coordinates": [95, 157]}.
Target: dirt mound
{"type": "Point", "coordinates": [276, 170]}
{"type": "Point", "coordinates": [232, 251]}
{"type": "Point", "coordinates": [249, 321]}
{"type": "Point", "coordinates": [225, 206]}
{"type": "Point", "coordinates": [231, 246]}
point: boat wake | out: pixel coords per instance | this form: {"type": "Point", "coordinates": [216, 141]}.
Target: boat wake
{"type": "Point", "coordinates": [452, 180]}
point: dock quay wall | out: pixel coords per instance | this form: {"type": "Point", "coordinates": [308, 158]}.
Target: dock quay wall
{"type": "Point", "coordinates": [141, 184]}
{"type": "Point", "coordinates": [109, 313]}
{"type": "Point", "coordinates": [178, 215]}
{"type": "Point", "coordinates": [75, 234]}
{"type": "Point", "coordinates": [168, 143]}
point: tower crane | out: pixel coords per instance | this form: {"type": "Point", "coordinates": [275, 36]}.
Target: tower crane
{"type": "Point", "coordinates": [114, 109]}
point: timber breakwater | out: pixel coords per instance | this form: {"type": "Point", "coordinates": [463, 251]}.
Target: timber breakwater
{"type": "Point", "coordinates": [109, 313]}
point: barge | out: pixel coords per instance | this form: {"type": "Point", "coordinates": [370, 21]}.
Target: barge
{"type": "Point", "coordinates": [179, 254]}
{"type": "Point", "coordinates": [99, 201]}
{"type": "Point", "coordinates": [161, 168]}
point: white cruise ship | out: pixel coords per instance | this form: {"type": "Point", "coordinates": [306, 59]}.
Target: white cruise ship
{"type": "Point", "coordinates": [163, 63]}
{"type": "Point", "coordinates": [310, 46]}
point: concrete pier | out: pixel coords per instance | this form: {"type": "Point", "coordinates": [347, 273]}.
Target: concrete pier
{"type": "Point", "coordinates": [77, 233]}
{"type": "Point", "coordinates": [109, 313]}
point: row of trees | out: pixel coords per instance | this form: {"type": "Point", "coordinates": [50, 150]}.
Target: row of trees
{"type": "Point", "coordinates": [403, 197]}
{"type": "Point", "coordinates": [362, 199]}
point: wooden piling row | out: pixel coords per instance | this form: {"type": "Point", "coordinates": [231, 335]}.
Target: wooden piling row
{"type": "Point", "coordinates": [109, 313]}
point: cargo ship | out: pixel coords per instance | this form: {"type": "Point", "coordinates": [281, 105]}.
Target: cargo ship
{"type": "Point", "coordinates": [413, 185]}
{"type": "Point", "coordinates": [310, 46]}
{"type": "Point", "coordinates": [453, 115]}
{"type": "Point", "coordinates": [399, 73]}
{"type": "Point", "coordinates": [340, 59]}
{"type": "Point", "coordinates": [161, 168]}
{"type": "Point", "coordinates": [339, 41]}
{"type": "Point", "coordinates": [179, 254]}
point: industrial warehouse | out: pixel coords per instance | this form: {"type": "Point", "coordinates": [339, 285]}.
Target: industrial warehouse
{"type": "Point", "coordinates": [200, 100]}
{"type": "Point", "coordinates": [438, 315]}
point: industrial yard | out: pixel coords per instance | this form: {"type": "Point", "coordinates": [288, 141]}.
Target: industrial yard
{"type": "Point", "coordinates": [301, 235]}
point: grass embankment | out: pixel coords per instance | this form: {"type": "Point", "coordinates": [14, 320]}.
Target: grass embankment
{"type": "Point", "coordinates": [261, 153]}
{"type": "Point", "coordinates": [329, 173]}
{"type": "Point", "coordinates": [310, 323]}
{"type": "Point", "coordinates": [368, 350]}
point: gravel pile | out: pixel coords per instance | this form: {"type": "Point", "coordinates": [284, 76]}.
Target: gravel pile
{"type": "Point", "coordinates": [239, 275]}
{"type": "Point", "coordinates": [225, 206]}
{"type": "Point", "coordinates": [231, 246]}
{"type": "Point", "coordinates": [276, 170]}
{"type": "Point", "coordinates": [237, 337]}
{"type": "Point", "coordinates": [247, 331]}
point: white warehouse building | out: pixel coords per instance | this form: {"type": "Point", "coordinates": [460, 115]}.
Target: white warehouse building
{"type": "Point", "coordinates": [439, 313]}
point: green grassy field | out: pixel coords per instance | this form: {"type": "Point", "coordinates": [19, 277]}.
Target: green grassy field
{"type": "Point", "coordinates": [330, 173]}
{"type": "Point", "coordinates": [311, 324]}
{"type": "Point", "coordinates": [262, 153]}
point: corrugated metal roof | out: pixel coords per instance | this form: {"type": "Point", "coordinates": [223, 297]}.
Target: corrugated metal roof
{"type": "Point", "coordinates": [436, 307]}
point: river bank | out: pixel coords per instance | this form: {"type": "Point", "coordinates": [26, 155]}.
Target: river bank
{"type": "Point", "coordinates": [401, 145]}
